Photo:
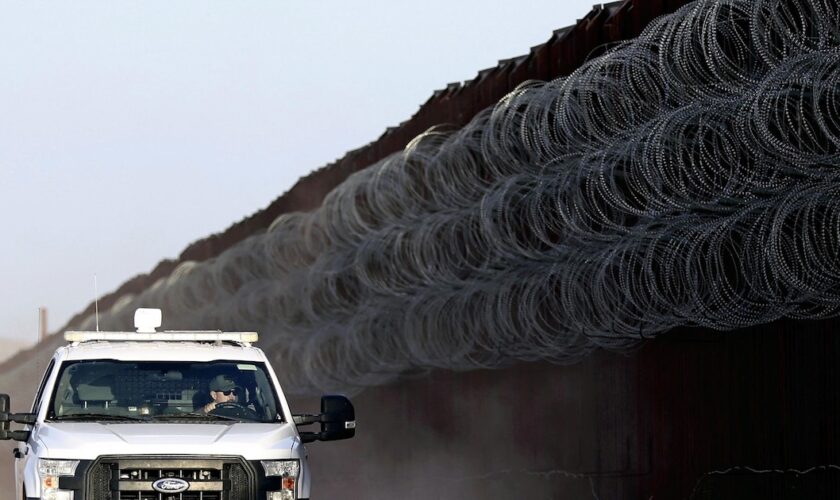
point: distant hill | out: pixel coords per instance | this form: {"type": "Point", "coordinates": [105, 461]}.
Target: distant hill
{"type": "Point", "coordinates": [9, 348]}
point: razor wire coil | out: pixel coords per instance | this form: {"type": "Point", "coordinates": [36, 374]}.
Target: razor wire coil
{"type": "Point", "coordinates": [688, 177]}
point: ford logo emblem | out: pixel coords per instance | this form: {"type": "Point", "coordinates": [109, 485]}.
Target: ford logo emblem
{"type": "Point", "coordinates": [170, 485]}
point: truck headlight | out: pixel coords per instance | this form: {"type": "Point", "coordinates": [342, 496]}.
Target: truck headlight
{"type": "Point", "coordinates": [288, 470]}
{"type": "Point", "coordinates": [49, 471]}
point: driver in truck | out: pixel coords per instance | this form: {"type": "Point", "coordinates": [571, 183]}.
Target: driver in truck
{"type": "Point", "coordinates": [223, 389]}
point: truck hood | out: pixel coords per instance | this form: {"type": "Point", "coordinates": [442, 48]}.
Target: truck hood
{"type": "Point", "coordinates": [88, 440]}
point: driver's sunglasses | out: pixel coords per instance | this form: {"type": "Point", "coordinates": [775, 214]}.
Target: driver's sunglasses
{"type": "Point", "coordinates": [228, 393]}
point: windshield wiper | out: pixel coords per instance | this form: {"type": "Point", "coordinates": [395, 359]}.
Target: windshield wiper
{"type": "Point", "coordinates": [196, 416]}
{"type": "Point", "coordinates": [98, 416]}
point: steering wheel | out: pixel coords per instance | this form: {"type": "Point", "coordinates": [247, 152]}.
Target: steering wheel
{"type": "Point", "coordinates": [235, 410]}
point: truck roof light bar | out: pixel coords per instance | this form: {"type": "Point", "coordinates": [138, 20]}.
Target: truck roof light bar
{"type": "Point", "coordinates": [168, 336]}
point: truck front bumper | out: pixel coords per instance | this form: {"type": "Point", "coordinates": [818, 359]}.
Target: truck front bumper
{"type": "Point", "coordinates": [208, 477]}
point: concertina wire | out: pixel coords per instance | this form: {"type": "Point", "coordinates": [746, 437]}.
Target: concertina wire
{"type": "Point", "coordinates": [688, 177]}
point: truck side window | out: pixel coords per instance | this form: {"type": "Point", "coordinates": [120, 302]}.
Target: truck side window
{"type": "Point", "coordinates": [36, 405]}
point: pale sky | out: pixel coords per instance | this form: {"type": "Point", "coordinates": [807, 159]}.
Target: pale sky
{"type": "Point", "coordinates": [130, 129]}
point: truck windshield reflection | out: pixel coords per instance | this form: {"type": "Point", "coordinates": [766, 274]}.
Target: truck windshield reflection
{"type": "Point", "coordinates": [109, 390]}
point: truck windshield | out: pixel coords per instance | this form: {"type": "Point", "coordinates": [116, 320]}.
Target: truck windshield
{"type": "Point", "coordinates": [164, 391]}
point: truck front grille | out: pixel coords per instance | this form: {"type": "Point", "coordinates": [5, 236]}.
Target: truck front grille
{"type": "Point", "coordinates": [132, 478]}
{"type": "Point", "coordinates": [164, 496]}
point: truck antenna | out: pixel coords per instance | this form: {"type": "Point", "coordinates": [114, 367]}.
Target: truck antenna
{"type": "Point", "coordinates": [96, 300]}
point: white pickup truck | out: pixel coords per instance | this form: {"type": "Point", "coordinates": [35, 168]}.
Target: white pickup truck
{"type": "Point", "coordinates": [148, 415]}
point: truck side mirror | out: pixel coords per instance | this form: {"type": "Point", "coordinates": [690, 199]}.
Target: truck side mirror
{"type": "Point", "coordinates": [7, 418]}
{"type": "Point", "coordinates": [337, 419]}
{"type": "Point", "coordinates": [5, 424]}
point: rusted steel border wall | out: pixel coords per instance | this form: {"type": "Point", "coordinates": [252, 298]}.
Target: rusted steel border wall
{"type": "Point", "coordinates": [662, 422]}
